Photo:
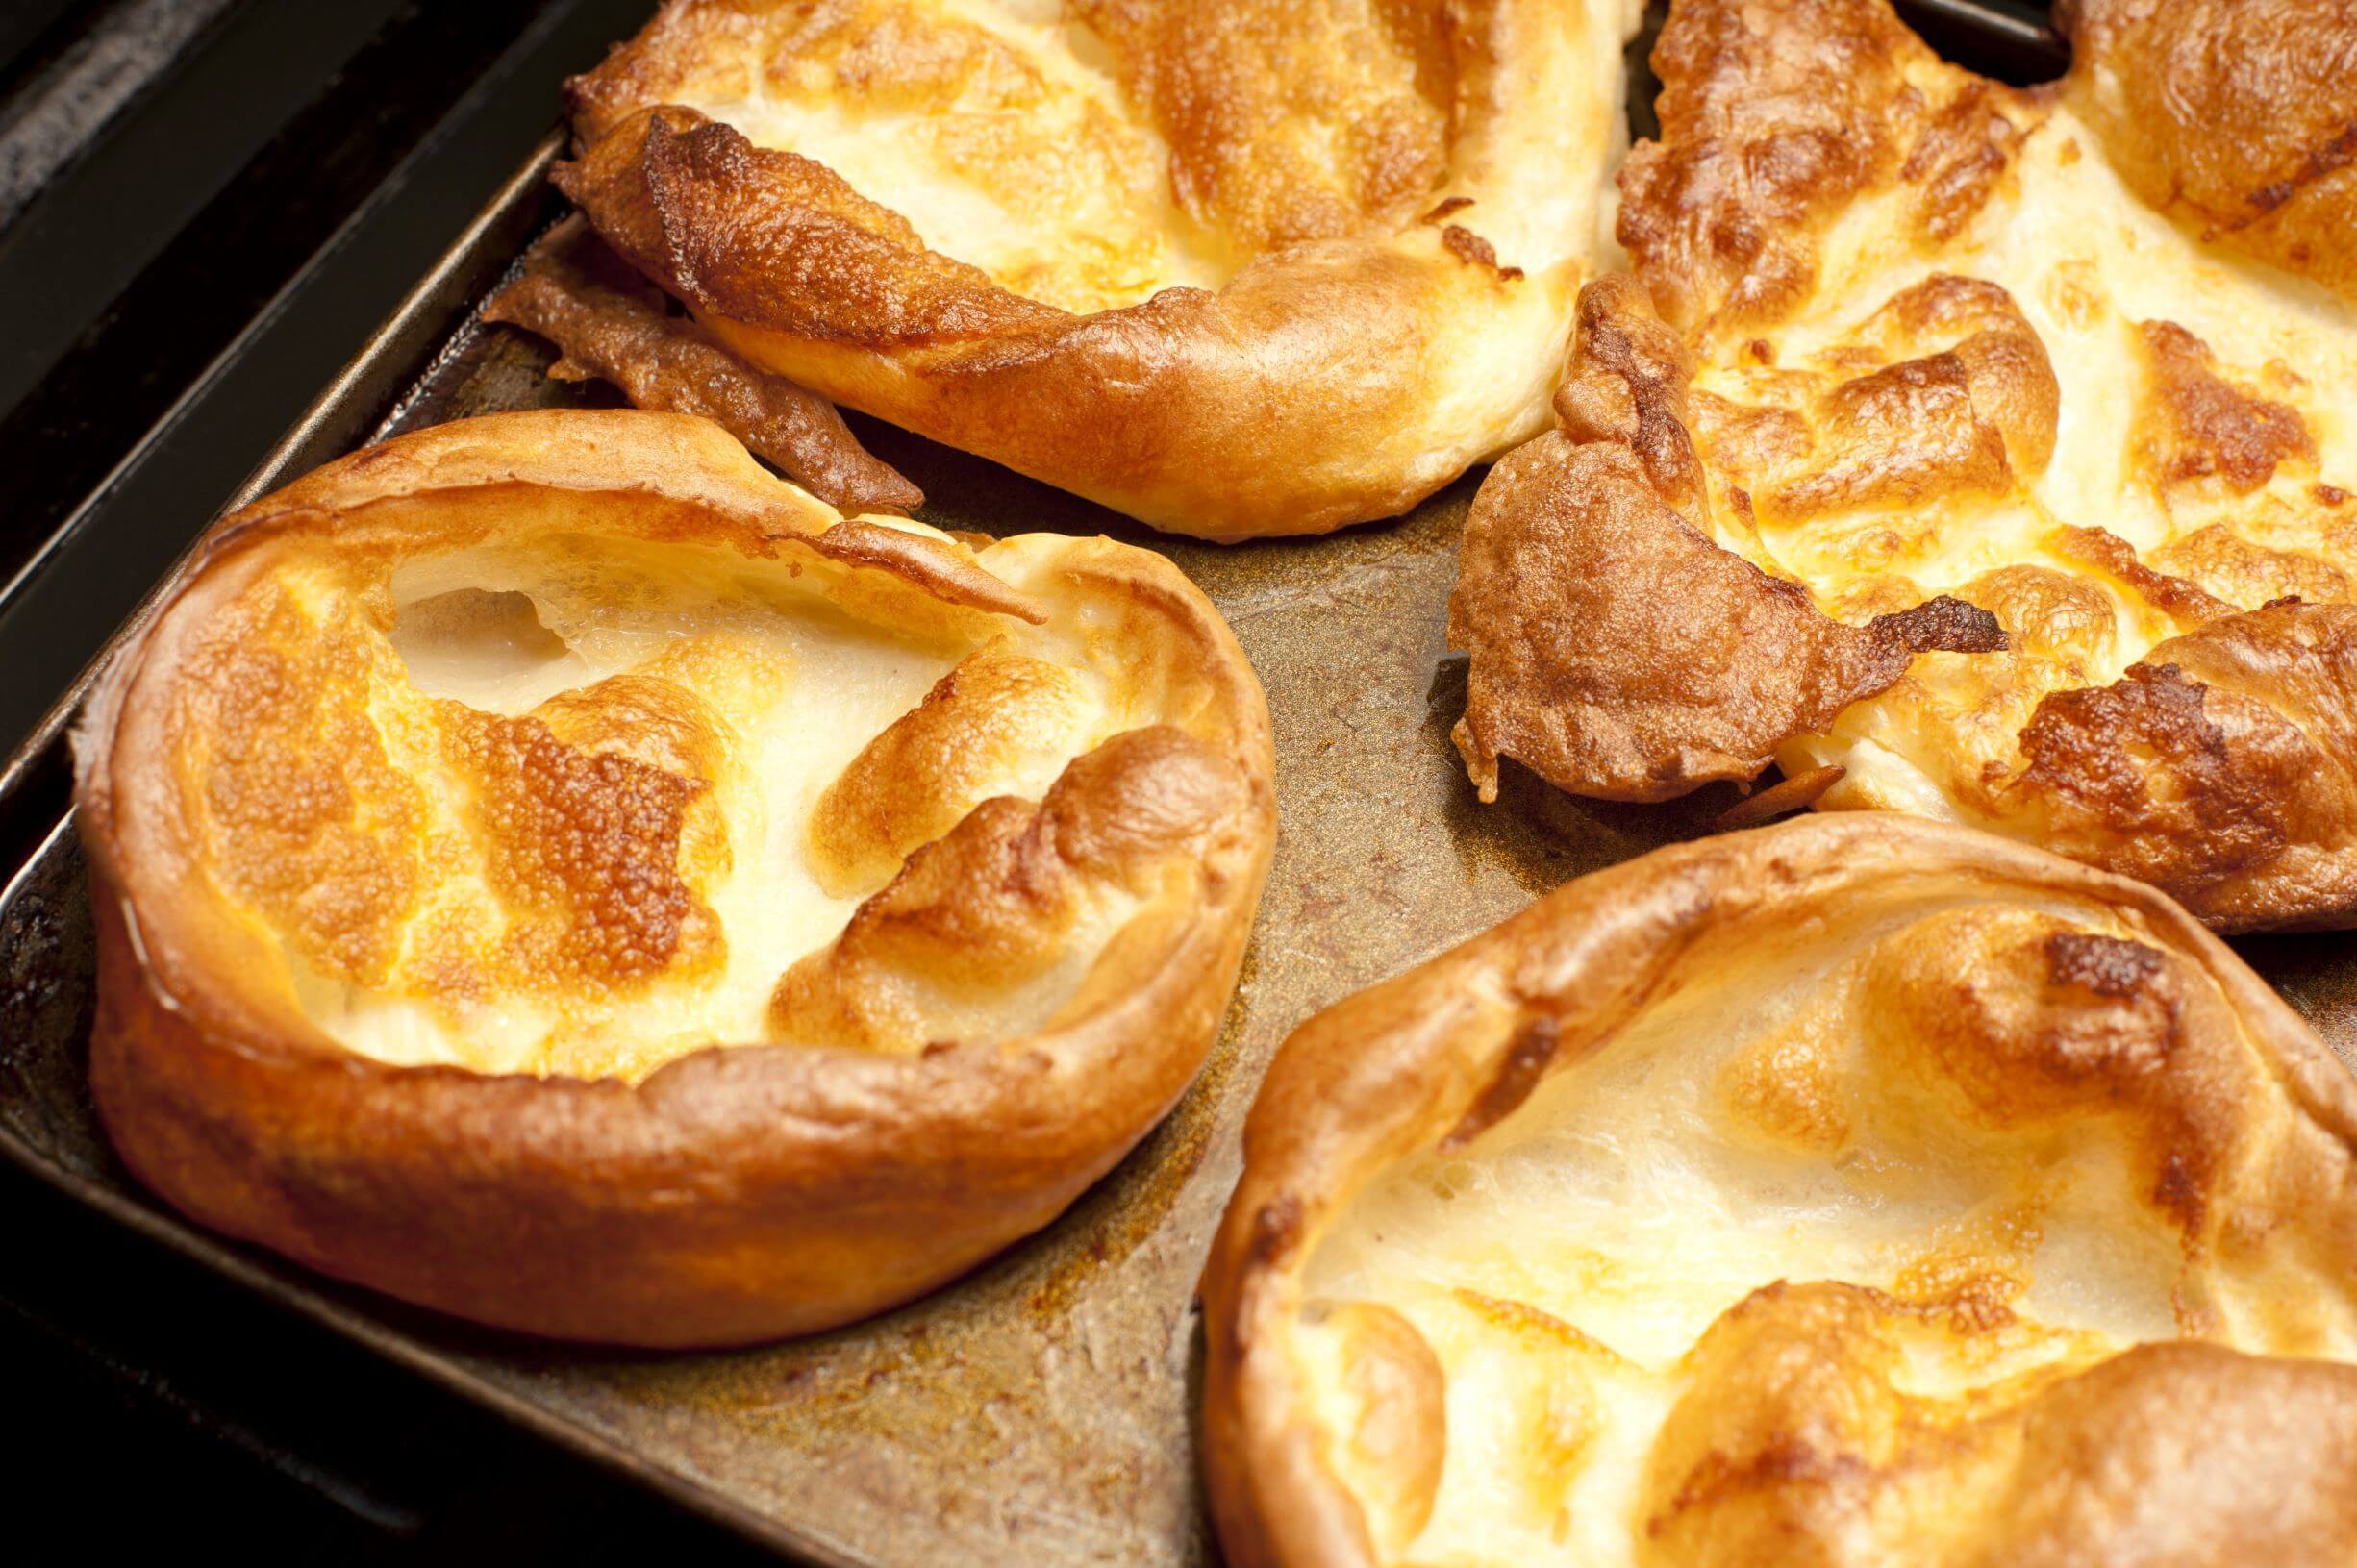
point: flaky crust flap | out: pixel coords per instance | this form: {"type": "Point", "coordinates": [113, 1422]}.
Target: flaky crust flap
{"type": "Point", "coordinates": [1843, 374]}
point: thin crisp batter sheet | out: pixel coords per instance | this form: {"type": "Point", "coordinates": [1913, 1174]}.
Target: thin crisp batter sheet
{"type": "Point", "coordinates": [2086, 263]}
{"type": "Point", "coordinates": [798, 689]}
{"type": "Point", "coordinates": [1762, 1125]}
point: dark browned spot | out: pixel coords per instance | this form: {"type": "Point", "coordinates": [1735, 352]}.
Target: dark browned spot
{"type": "Point", "coordinates": [2210, 426]}
{"type": "Point", "coordinates": [1276, 1230]}
{"type": "Point", "coordinates": [1526, 1062]}
{"type": "Point", "coordinates": [2179, 1190]}
{"type": "Point", "coordinates": [1470, 248]}
{"type": "Point", "coordinates": [1943, 625]}
{"type": "Point", "coordinates": [2331, 158]}
{"type": "Point", "coordinates": [2107, 965]}
{"type": "Point", "coordinates": [2141, 768]}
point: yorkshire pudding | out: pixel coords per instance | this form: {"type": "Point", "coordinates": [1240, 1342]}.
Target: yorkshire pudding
{"type": "Point", "coordinates": [1982, 453]}
{"type": "Point", "coordinates": [1861, 1190]}
{"type": "Point", "coordinates": [548, 869]}
{"type": "Point", "coordinates": [1267, 266]}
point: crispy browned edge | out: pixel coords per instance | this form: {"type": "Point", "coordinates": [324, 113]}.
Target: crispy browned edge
{"type": "Point", "coordinates": [735, 1194]}
{"type": "Point", "coordinates": [1255, 410]}
{"type": "Point", "coordinates": [1801, 107]}
{"type": "Point", "coordinates": [1392, 1071]}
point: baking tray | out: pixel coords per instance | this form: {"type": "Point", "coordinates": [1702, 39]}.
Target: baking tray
{"type": "Point", "coordinates": [1039, 1411]}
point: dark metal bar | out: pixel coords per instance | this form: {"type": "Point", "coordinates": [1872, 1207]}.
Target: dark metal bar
{"type": "Point", "coordinates": [2007, 39]}
{"type": "Point", "coordinates": [84, 237]}
{"type": "Point", "coordinates": [99, 565]}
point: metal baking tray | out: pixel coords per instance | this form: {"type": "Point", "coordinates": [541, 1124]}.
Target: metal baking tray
{"type": "Point", "coordinates": [1040, 1411]}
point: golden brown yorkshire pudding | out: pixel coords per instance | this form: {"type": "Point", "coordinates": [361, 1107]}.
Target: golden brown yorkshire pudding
{"type": "Point", "coordinates": [551, 870]}
{"type": "Point", "coordinates": [1980, 452]}
{"type": "Point", "coordinates": [1267, 266]}
{"type": "Point", "coordinates": [1861, 1190]}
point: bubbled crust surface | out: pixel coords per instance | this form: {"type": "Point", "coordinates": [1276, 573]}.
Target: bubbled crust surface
{"type": "Point", "coordinates": [1857, 1190]}
{"type": "Point", "coordinates": [483, 915]}
{"type": "Point", "coordinates": [2237, 116]}
{"type": "Point", "coordinates": [1253, 268]}
{"type": "Point", "coordinates": [1930, 443]}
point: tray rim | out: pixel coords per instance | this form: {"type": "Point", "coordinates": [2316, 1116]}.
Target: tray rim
{"type": "Point", "coordinates": [292, 1289]}
{"type": "Point", "coordinates": [398, 350]}
{"type": "Point", "coordinates": [423, 315]}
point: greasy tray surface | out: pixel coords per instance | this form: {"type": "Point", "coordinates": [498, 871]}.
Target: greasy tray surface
{"type": "Point", "coordinates": [1040, 1411]}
